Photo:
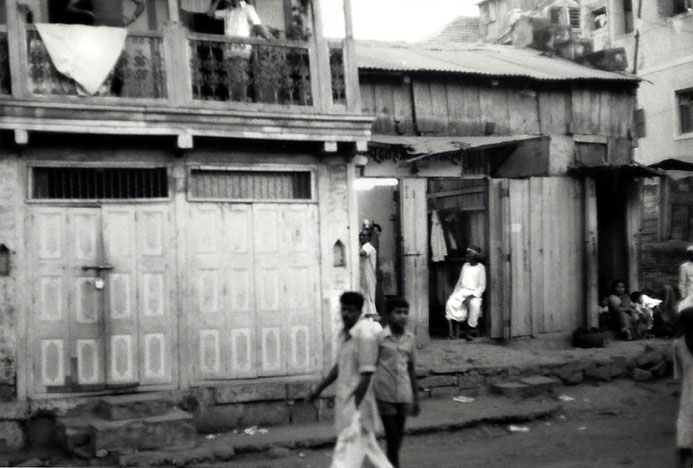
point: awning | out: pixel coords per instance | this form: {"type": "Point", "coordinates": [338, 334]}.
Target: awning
{"type": "Point", "coordinates": [425, 146]}
{"type": "Point", "coordinates": [632, 170]}
{"type": "Point", "coordinates": [673, 165]}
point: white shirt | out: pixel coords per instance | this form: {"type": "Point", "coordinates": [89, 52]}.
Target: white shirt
{"type": "Point", "coordinates": [472, 279]}
{"type": "Point", "coordinates": [239, 20]}
{"type": "Point", "coordinates": [686, 279]}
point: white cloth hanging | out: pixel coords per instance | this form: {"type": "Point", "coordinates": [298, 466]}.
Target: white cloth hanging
{"type": "Point", "coordinates": [438, 248]}
{"type": "Point", "coordinates": [86, 54]}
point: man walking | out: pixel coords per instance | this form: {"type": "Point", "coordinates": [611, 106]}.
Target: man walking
{"type": "Point", "coordinates": [356, 414]}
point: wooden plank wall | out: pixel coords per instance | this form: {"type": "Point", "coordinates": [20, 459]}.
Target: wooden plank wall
{"type": "Point", "coordinates": [546, 247]}
{"type": "Point", "coordinates": [444, 105]}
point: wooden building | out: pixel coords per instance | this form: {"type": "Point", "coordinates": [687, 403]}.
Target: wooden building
{"type": "Point", "coordinates": [170, 234]}
{"type": "Point", "coordinates": [525, 155]}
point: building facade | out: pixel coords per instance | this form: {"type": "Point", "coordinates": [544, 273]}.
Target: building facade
{"type": "Point", "coordinates": [175, 230]}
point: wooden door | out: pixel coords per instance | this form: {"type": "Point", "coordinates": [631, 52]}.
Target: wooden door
{"type": "Point", "coordinates": [67, 310]}
{"type": "Point", "coordinates": [90, 339]}
{"type": "Point", "coordinates": [521, 303]}
{"type": "Point", "coordinates": [254, 289]}
{"type": "Point", "coordinates": [414, 224]}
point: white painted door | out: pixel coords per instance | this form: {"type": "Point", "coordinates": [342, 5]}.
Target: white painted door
{"type": "Point", "coordinates": [88, 339]}
{"type": "Point", "coordinates": [254, 297]}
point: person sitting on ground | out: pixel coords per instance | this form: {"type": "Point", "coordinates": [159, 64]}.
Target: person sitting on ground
{"type": "Point", "coordinates": [621, 310]}
{"type": "Point", "coordinates": [666, 315]}
{"type": "Point", "coordinates": [396, 388]}
{"type": "Point", "coordinates": [683, 370]}
{"type": "Point", "coordinates": [464, 304]}
{"type": "Point", "coordinates": [642, 315]}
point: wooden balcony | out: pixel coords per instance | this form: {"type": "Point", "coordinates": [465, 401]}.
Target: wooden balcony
{"type": "Point", "coordinates": [176, 82]}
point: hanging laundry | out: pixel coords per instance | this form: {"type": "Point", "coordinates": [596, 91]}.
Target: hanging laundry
{"type": "Point", "coordinates": [438, 248]}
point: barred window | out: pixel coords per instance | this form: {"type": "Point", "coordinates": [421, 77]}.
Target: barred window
{"type": "Point", "coordinates": [96, 183]}
{"type": "Point", "coordinates": [220, 184]}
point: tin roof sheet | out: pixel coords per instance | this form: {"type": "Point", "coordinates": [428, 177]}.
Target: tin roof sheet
{"type": "Point", "coordinates": [476, 59]}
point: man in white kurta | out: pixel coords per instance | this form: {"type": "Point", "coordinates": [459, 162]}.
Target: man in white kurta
{"type": "Point", "coordinates": [368, 264]}
{"type": "Point", "coordinates": [686, 281]}
{"type": "Point", "coordinates": [356, 413]}
{"type": "Point", "coordinates": [464, 304]}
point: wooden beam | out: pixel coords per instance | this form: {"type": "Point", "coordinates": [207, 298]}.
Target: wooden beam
{"type": "Point", "coordinates": [185, 141]}
{"type": "Point", "coordinates": [591, 253]}
{"type": "Point", "coordinates": [173, 11]}
{"type": "Point", "coordinates": [329, 146]}
{"type": "Point", "coordinates": [21, 137]}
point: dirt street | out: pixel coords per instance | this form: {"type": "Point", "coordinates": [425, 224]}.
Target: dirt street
{"type": "Point", "coordinates": [618, 424]}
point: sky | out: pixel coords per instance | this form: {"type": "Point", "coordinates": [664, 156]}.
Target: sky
{"type": "Point", "coordinates": [396, 20]}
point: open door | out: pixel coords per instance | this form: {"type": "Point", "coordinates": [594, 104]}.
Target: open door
{"type": "Point", "coordinates": [414, 225]}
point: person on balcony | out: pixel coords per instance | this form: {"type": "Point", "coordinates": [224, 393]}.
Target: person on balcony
{"type": "Point", "coordinates": [240, 20]}
{"type": "Point", "coordinates": [107, 12]}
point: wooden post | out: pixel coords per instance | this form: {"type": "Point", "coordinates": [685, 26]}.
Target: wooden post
{"type": "Point", "coordinates": [591, 252]}
{"type": "Point", "coordinates": [497, 289]}
{"type": "Point", "coordinates": [177, 60]}
{"type": "Point", "coordinates": [323, 99]}
{"type": "Point", "coordinates": [17, 45]}
{"type": "Point", "coordinates": [664, 209]}
{"type": "Point", "coordinates": [507, 276]}
{"type": "Point", "coordinates": [633, 227]}
{"type": "Point", "coordinates": [173, 11]}
{"type": "Point", "coordinates": [351, 72]}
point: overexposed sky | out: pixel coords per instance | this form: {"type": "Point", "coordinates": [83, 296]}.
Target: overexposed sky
{"type": "Point", "coordinates": [396, 20]}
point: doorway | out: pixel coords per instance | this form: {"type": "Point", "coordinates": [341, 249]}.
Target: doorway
{"type": "Point", "coordinates": [461, 207]}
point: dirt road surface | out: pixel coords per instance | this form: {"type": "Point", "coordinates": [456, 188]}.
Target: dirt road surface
{"type": "Point", "coordinates": [620, 424]}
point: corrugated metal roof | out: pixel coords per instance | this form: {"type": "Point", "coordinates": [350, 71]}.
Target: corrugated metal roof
{"type": "Point", "coordinates": [427, 145]}
{"type": "Point", "coordinates": [476, 59]}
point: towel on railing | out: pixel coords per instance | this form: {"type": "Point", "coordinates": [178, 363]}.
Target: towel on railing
{"type": "Point", "coordinates": [87, 54]}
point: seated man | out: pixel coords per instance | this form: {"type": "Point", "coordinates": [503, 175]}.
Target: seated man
{"type": "Point", "coordinates": [464, 304]}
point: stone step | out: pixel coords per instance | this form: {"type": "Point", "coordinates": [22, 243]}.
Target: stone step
{"type": "Point", "coordinates": [142, 405]}
{"type": "Point", "coordinates": [528, 387]}
{"type": "Point", "coordinates": [73, 433]}
{"type": "Point", "coordinates": [173, 429]}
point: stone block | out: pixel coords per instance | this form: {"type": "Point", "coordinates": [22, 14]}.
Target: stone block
{"type": "Point", "coordinates": [495, 379]}
{"type": "Point", "coordinates": [216, 419]}
{"type": "Point", "coordinates": [660, 371]}
{"type": "Point", "coordinates": [618, 367]}
{"type": "Point", "coordinates": [326, 409]}
{"type": "Point", "coordinates": [602, 373]}
{"type": "Point", "coordinates": [467, 382]}
{"type": "Point", "coordinates": [119, 408]}
{"type": "Point", "coordinates": [11, 436]}
{"type": "Point", "coordinates": [300, 390]}
{"type": "Point", "coordinates": [434, 381]}
{"type": "Point", "coordinates": [277, 453]}
{"type": "Point", "coordinates": [641, 375]}
{"type": "Point", "coordinates": [174, 429]}
{"type": "Point", "coordinates": [15, 411]}
{"type": "Point", "coordinates": [267, 413]}
{"type": "Point", "coordinates": [249, 393]}
{"type": "Point", "coordinates": [539, 385]}
{"type": "Point", "coordinates": [514, 390]}
{"type": "Point", "coordinates": [303, 412]}
{"type": "Point", "coordinates": [575, 379]}
{"type": "Point", "coordinates": [648, 359]}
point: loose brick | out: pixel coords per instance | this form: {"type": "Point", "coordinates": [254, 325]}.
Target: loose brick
{"type": "Point", "coordinates": [515, 390]}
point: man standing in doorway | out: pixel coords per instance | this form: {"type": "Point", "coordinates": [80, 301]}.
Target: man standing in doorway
{"type": "Point", "coordinates": [107, 12]}
{"type": "Point", "coordinates": [368, 269]}
{"type": "Point", "coordinates": [686, 281]}
{"type": "Point", "coordinates": [356, 413]}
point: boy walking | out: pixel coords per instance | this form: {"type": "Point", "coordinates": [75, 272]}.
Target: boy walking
{"type": "Point", "coordinates": [396, 391]}
{"type": "Point", "coordinates": [356, 417]}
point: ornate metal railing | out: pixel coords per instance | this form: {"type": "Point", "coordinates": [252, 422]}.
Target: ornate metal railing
{"type": "Point", "coordinates": [250, 70]}
{"type": "Point", "coordinates": [337, 72]}
{"type": "Point", "coordinates": [5, 77]}
{"type": "Point", "coordinates": [140, 72]}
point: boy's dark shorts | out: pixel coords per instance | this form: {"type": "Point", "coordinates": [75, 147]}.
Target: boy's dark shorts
{"type": "Point", "coordinates": [385, 408]}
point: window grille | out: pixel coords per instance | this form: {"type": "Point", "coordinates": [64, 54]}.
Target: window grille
{"type": "Point", "coordinates": [220, 184]}
{"type": "Point", "coordinates": [685, 103]}
{"type": "Point", "coordinates": [91, 183]}
{"type": "Point", "coordinates": [574, 17]}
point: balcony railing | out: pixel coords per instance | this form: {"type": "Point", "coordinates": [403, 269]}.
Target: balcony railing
{"type": "Point", "coordinates": [178, 68]}
{"type": "Point", "coordinates": [250, 71]}
{"type": "Point", "coordinates": [139, 73]}
{"type": "Point", "coordinates": [5, 78]}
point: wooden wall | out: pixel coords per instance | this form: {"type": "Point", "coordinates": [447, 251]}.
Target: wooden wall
{"type": "Point", "coordinates": [447, 105]}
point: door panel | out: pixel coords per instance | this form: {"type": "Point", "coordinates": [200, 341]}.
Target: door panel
{"type": "Point", "coordinates": [255, 300]}
{"type": "Point", "coordinates": [521, 305]}
{"type": "Point", "coordinates": [86, 338]}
